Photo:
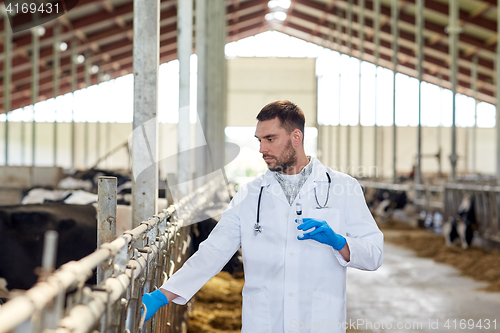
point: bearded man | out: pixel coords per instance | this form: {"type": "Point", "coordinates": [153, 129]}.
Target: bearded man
{"type": "Point", "coordinates": [300, 225]}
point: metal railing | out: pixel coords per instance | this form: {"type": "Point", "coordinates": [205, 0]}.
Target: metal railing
{"type": "Point", "coordinates": [135, 263]}
{"type": "Point", "coordinates": [423, 195]}
{"type": "Point", "coordinates": [447, 198]}
{"type": "Point", "coordinates": [486, 204]}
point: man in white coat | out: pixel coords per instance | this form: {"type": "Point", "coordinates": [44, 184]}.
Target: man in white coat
{"type": "Point", "coordinates": [293, 282]}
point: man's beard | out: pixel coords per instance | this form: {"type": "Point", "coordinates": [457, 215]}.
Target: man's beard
{"type": "Point", "coordinates": [286, 160]}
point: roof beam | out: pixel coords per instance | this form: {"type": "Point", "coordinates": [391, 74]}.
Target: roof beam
{"type": "Point", "coordinates": [407, 53]}
{"type": "Point", "coordinates": [118, 55]}
{"type": "Point", "coordinates": [409, 69]}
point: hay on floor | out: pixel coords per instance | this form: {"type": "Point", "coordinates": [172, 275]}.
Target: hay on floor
{"type": "Point", "coordinates": [480, 264]}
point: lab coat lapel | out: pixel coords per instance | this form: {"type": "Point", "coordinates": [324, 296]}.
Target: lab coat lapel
{"type": "Point", "coordinates": [318, 174]}
{"type": "Point", "coordinates": [269, 180]}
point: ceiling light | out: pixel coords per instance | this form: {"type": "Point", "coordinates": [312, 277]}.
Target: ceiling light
{"type": "Point", "coordinates": [281, 16]}
{"type": "Point", "coordinates": [285, 4]}
{"type": "Point", "coordinates": [106, 77]}
{"type": "Point", "coordinates": [80, 59]}
{"type": "Point", "coordinates": [272, 4]}
{"type": "Point", "coordinates": [40, 31]}
{"type": "Point", "coordinates": [94, 69]}
{"type": "Point", "coordinates": [63, 47]}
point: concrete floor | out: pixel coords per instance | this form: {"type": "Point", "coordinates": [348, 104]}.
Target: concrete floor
{"type": "Point", "coordinates": [411, 294]}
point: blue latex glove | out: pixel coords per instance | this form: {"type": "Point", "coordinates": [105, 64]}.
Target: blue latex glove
{"type": "Point", "coordinates": [322, 233]}
{"type": "Point", "coordinates": [153, 301]}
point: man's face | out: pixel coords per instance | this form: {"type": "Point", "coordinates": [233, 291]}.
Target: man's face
{"type": "Point", "coordinates": [275, 145]}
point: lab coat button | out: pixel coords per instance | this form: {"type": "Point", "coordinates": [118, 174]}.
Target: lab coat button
{"type": "Point", "coordinates": [290, 294]}
{"type": "Point", "coordinates": [292, 254]}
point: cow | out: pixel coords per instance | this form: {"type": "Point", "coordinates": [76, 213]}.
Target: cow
{"type": "Point", "coordinates": [22, 230]}
{"type": "Point", "coordinates": [79, 197]}
{"type": "Point", "coordinates": [463, 225]}
{"type": "Point", "coordinates": [93, 175]}
{"type": "Point", "coordinates": [200, 232]}
{"type": "Point", "coordinates": [205, 221]}
{"type": "Point", "coordinates": [382, 202]}
{"type": "Point", "coordinates": [43, 195]}
{"type": "Point", "coordinates": [87, 179]}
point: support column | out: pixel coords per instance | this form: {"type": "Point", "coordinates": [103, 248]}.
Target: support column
{"type": "Point", "coordinates": [474, 129]}
{"type": "Point", "coordinates": [361, 53]}
{"type": "Point", "coordinates": [98, 128]}
{"type": "Point", "coordinates": [7, 66]}
{"type": "Point", "coordinates": [376, 5]}
{"type": "Point", "coordinates": [55, 81]}
{"type": "Point", "coordinates": [109, 128]}
{"type": "Point", "coordinates": [497, 70]}
{"type": "Point", "coordinates": [212, 86]}
{"type": "Point", "coordinates": [329, 144]}
{"type": "Point", "coordinates": [395, 35]}
{"type": "Point", "coordinates": [87, 68]}
{"type": "Point", "coordinates": [349, 28]}
{"type": "Point", "coordinates": [453, 31]}
{"type": "Point", "coordinates": [339, 45]}
{"type": "Point", "coordinates": [216, 74]}
{"type": "Point", "coordinates": [201, 53]}
{"type": "Point", "coordinates": [73, 88]}
{"type": "Point", "coordinates": [419, 16]}
{"type": "Point", "coordinates": [440, 127]}
{"type": "Point", "coordinates": [35, 58]}
{"type": "Point", "coordinates": [184, 49]}
{"type": "Point", "coordinates": [145, 124]}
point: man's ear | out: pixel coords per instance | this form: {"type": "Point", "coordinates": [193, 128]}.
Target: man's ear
{"type": "Point", "coordinates": [296, 137]}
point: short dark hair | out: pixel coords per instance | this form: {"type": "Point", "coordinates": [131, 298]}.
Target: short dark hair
{"type": "Point", "coordinates": [289, 114]}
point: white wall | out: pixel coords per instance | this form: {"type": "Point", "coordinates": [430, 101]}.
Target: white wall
{"type": "Point", "coordinates": [112, 135]}
{"type": "Point", "coordinates": [407, 149]}
{"type": "Point", "coordinates": [255, 82]}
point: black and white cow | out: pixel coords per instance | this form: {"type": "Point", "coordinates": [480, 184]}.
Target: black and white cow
{"type": "Point", "coordinates": [463, 224]}
{"type": "Point", "coordinates": [209, 217]}
{"type": "Point", "coordinates": [22, 230]}
{"type": "Point", "coordinates": [383, 202]}
{"type": "Point", "coordinates": [200, 232]}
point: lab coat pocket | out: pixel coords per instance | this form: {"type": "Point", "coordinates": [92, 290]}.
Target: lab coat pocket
{"type": "Point", "coordinates": [256, 317]}
{"type": "Point", "coordinates": [332, 217]}
{"type": "Point", "coordinates": [328, 313]}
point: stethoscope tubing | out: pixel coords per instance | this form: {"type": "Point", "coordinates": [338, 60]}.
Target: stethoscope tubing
{"type": "Point", "coordinates": [258, 227]}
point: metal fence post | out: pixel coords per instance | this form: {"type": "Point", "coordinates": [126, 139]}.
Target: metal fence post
{"type": "Point", "coordinates": [49, 253]}
{"type": "Point", "coordinates": [106, 216]}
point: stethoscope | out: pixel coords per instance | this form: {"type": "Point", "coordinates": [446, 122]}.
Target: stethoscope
{"type": "Point", "coordinates": [258, 228]}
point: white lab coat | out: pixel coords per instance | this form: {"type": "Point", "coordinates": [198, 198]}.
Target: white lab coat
{"type": "Point", "coordinates": [290, 285]}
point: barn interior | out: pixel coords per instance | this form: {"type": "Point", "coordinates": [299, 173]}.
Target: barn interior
{"type": "Point", "coordinates": [153, 104]}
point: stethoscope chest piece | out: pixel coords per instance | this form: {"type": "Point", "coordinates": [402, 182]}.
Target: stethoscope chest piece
{"type": "Point", "coordinates": [257, 228]}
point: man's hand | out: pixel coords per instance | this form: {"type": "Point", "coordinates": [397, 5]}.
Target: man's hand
{"type": "Point", "coordinates": [153, 301]}
{"type": "Point", "coordinates": [322, 233]}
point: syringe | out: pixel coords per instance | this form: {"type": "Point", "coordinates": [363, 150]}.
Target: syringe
{"type": "Point", "coordinates": [298, 210]}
